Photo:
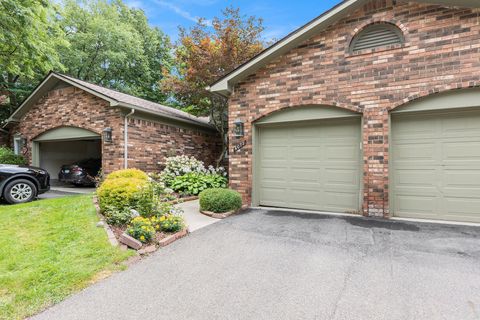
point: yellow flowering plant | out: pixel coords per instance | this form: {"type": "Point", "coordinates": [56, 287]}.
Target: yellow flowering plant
{"type": "Point", "coordinates": [141, 229]}
{"type": "Point", "coordinates": [171, 223]}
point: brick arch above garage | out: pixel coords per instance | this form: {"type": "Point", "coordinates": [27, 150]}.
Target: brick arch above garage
{"type": "Point", "coordinates": [66, 133]}
{"type": "Point", "coordinates": [69, 106]}
{"type": "Point", "coordinates": [308, 112]}
{"type": "Point", "coordinates": [460, 94]}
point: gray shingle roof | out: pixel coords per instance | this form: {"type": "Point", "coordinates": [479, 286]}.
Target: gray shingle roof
{"type": "Point", "coordinates": [134, 102]}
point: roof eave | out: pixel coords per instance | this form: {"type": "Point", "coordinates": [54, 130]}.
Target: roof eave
{"type": "Point", "coordinates": [163, 115]}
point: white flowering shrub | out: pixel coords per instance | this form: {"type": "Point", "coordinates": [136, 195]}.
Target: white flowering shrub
{"type": "Point", "coordinates": [181, 165]}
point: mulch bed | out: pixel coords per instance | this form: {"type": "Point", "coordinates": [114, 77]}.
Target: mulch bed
{"type": "Point", "coordinates": [161, 239]}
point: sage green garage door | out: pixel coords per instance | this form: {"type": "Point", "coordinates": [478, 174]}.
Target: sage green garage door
{"type": "Point", "coordinates": [436, 166]}
{"type": "Point", "coordinates": [314, 166]}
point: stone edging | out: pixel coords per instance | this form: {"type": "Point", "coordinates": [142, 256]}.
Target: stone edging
{"type": "Point", "coordinates": [182, 200]}
{"type": "Point", "coordinates": [111, 236]}
{"type": "Point", "coordinates": [218, 215]}
{"type": "Point", "coordinates": [173, 237]}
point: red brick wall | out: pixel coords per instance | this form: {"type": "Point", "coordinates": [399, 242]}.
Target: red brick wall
{"type": "Point", "coordinates": [441, 53]}
{"type": "Point", "coordinates": [149, 141]}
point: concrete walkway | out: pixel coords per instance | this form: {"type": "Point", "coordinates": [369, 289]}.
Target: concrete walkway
{"type": "Point", "coordinates": [194, 219]}
{"type": "Point", "coordinates": [283, 265]}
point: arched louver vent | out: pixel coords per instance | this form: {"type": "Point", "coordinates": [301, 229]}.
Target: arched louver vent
{"type": "Point", "coordinates": [377, 35]}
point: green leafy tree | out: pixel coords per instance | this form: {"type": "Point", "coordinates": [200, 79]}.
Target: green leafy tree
{"type": "Point", "coordinates": [113, 45]}
{"type": "Point", "coordinates": [29, 39]}
{"type": "Point", "coordinates": [206, 52]}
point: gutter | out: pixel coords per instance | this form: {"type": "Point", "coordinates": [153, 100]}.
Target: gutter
{"type": "Point", "coordinates": [164, 115]}
{"type": "Point", "coordinates": [125, 138]}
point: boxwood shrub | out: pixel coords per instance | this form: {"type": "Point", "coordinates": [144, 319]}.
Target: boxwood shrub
{"type": "Point", "coordinates": [220, 200]}
{"type": "Point", "coordinates": [128, 173]}
{"type": "Point", "coordinates": [120, 193]}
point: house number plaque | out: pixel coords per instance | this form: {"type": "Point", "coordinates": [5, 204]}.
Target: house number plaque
{"type": "Point", "coordinates": [239, 146]}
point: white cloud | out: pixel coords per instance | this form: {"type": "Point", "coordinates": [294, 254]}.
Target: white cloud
{"type": "Point", "coordinates": [181, 12]}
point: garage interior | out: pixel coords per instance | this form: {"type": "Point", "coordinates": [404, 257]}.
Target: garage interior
{"type": "Point", "coordinates": [64, 146]}
{"type": "Point", "coordinates": [55, 154]}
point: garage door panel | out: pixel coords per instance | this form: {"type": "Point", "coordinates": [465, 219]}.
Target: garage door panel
{"type": "Point", "coordinates": [416, 204]}
{"type": "Point", "coordinates": [415, 178]}
{"type": "Point", "coordinates": [342, 153]}
{"type": "Point", "coordinates": [414, 128]}
{"type": "Point", "coordinates": [274, 174]}
{"type": "Point", "coordinates": [308, 132]}
{"type": "Point", "coordinates": [319, 160]}
{"type": "Point", "coordinates": [462, 209]}
{"type": "Point", "coordinates": [275, 153]}
{"type": "Point", "coordinates": [344, 178]}
{"type": "Point", "coordinates": [306, 174]}
{"type": "Point", "coordinates": [460, 126]}
{"type": "Point", "coordinates": [305, 153]}
{"type": "Point", "coordinates": [462, 179]}
{"type": "Point", "coordinates": [337, 201]}
{"type": "Point", "coordinates": [274, 196]}
{"type": "Point", "coordinates": [415, 152]}
{"type": "Point", "coordinates": [461, 151]}
{"type": "Point", "coordinates": [436, 177]}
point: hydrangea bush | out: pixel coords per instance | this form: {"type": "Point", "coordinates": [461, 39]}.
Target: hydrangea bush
{"type": "Point", "coordinates": [189, 176]}
{"type": "Point", "coordinates": [181, 165]}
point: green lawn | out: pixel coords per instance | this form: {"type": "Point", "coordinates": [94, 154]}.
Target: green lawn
{"type": "Point", "coordinates": [49, 249]}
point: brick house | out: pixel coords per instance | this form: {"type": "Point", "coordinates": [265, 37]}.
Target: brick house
{"type": "Point", "coordinates": [371, 108]}
{"type": "Point", "coordinates": [66, 120]}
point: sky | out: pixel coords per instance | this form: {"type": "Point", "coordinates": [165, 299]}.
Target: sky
{"type": "Point", "coordinates": [280, 16]}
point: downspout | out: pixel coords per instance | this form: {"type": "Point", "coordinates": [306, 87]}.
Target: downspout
{"type": "Point", "coordinates": [125, 138]}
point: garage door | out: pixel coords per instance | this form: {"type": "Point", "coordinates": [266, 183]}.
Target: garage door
{"type": "Point", "coordinates": [436, 166]}
{"type": "Point", "coordinates": [314, 166]}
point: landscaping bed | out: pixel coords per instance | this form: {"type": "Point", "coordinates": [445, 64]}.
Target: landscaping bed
{"type": "Point", "coordinates": [140, 209]}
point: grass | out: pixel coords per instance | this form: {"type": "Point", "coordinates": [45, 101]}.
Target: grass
{"type": "Point", "coordinates": [48, 250]}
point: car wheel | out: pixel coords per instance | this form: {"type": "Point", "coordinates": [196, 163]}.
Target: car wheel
{"type": "Point", "coordinates": [20, 191]}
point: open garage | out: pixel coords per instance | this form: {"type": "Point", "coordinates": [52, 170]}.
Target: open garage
{"type": "Point", "coordinates": [65, 146]}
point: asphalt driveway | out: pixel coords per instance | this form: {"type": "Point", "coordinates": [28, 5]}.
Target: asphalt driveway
{"type": "Point", "coordinates": [280, 265]}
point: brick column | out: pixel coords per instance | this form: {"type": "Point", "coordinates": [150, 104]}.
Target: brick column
{"type": "Point", "coordinates": [375, 178]}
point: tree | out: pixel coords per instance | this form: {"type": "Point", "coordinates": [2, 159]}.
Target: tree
{"type": "Point", "coordinates": [114, 46]}
{"type": "Point", "coordinates": [206, 52]}
{"type": "Point", "coordinates": [29, 38]}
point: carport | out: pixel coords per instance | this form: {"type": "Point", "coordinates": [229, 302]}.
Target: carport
{"type": "Point", "coordinates": [65, 145]}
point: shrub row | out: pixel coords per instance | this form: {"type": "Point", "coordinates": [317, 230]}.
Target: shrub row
{"type": "Point", "coordinates": [7, 156]}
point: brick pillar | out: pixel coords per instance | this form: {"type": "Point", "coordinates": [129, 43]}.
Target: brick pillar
{"type": "Point", "coordinates": [375, 145]}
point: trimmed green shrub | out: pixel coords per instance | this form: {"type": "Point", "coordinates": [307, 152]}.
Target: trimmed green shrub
{"type": "Point", "coordinates": [128, 173]}
{"type": "Point", "coordinates": [7, 156]}
{"type": "Point", "coordinates": [193, 183]}
{"type": "Point", "coordinates": [121, 193]}
{"type": "Point", "coordinates": [220, 200]}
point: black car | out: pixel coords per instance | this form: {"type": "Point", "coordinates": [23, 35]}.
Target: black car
{"type": "Point", "coordinates": [19, 184]}
{"type": "Point", "coordinates": [81, 173]}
